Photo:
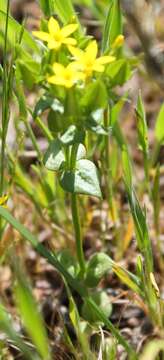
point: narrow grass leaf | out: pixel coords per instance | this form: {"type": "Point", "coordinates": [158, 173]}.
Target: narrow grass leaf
{"type": "Point", "coordinates": [31, 317]}
{"type": "Point", "coordinates": [14, 31]}
{"type": "Point", "coordinates": [51, 257]}
{"type": "Point", "coordinates": [6, 326]}
{"type": "Point", "coordinates": [142, 125]}
{"type": "Point", "coordinates": [113, 25]}
{"type": "Point", "coordinates": [66, 12]}
{"type": "Point", "coordinates": [47, 7]}
{"type": "Point", "coordinates": [159, 127]}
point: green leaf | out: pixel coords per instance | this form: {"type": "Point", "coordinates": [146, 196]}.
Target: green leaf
{"type": "Point", "coordinates": [47, 102]}
{"type": "Point", "coordinates": [116, 109]}
{"type": "Point", "coordinates": [119, 72]}
{"type": "Point", "coordinates": [76, 285]}
{"type": "Point", "coordinates": [95, 97]}
{"type": "Point", "coordinates": [152, 349]}
{"type": "Point", "coordinates": [72, 136]}
{"type": "Point", "coordinates": [54, 156]}
{"type": "Point", "coordinates": [159, 127]}
{"type": "Point", "coordinates": [141, 229]}
{"type": "Point", "coordinates": [156, 198]}
{"type": "Point", "coordinates": [142, 125]}
{"type": "Point", "coordinates": [83, 180]}
{"type": "Point", "coordinates": [66, 12]}
{"type": "Point", "coordinates": [7, 327]}
{"type": "Point", "coordinates": [14, 31]}
{"type": "Point", "coordinates": [94, 122]}
{"type": "Point", "coordinates": [28, 72]}
{"type": "Point", "coordinates": [113, 24]}
{"type": "Point", "coordinates": [47, 7]}
{"type": "Point", "coordinates": [27, 69]}
{"type": "Point", "coordinates": [57, 121]}
{"type": "Point", "coordinates": [127, 166]}
{"type": "Point", "coordinates": [81, 152]}
{"type": "Point", "coordinates": [51, 257]}
{"type": "Point", "coordinates": [97, 267]}
{"type": "Point", "coordinates": [68, 261]}
{"type": "Point", "coordinates": [102, 301]}
{"type": "Point", "coordinates": [31, 317]}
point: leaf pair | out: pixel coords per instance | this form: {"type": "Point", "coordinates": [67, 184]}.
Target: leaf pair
{"type": "Point", "coordinates": [81, 180]}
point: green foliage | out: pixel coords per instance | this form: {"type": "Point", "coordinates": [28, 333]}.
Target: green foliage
{"type": "Point", "coordinates": [159, 127]}
{"type": "Point", "coordinates": [7, 327]}
{"type": "Point", "coordinates": [31, 317]}
{"type": "Point", "coordinates": [113, 24]}
{"type": "Point", "coordinates": [142, 125]}
{"type": "Point", "coordinates": [77, 108]}
{"type": "Point", "coordinates": [82, 180]}
{"type": "Point", "coordinates": [54, 156]}
{"type": "Point", "coordinates": [47, 6]}
{"type": "Point", "coordinates": [97, 267]}
{"type": "Point", "coordinates": [65, 10]}
{"type": "Point", "coordinates": [15, 30]}
{"type": "Point", "coordinates": [95, 96]}
{"type": "Point", "coordinates": [101, 299]}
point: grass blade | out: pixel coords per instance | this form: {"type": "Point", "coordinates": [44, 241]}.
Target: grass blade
{"type": "Point", "coordinates": [30, 315]}
{"type": "Point", "coordinates": [7, 327]}
{"type": "Point", "coordinates": [113, 25]}
{"type": "Point", "coordinates": [75, 284]}
{"type": "Point", "coordinates": [47, 7]}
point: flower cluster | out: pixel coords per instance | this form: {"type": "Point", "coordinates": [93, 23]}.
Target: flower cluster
{"type": "Point", "coordinates": [84, 62]}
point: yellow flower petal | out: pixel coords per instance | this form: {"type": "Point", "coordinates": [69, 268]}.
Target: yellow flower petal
{"type": "Point", "coordinates": [42, 35]}
{"type": "Point", "coordinates": [77, 65]}
{"type": "Point", "coordinates": [69, 29]}
{"type": "Point", "coordinates": [77, 53]}
{"type": "Point", "coordinates": [52, 44]}
{"type": "Point", "coordinates": [105, 60]}
{"type": "Point", "coordinates": [53, 26]}
{"type": "Point", "coordinates": [118, 41]}
{"type": "Point", "coordinates": [58, 68]}
{"type": "Point", "coordinates": [91, 50]}
{"type": "Point", "coordinates": [3, 200]}
{"type": "Point", "coordinates": [98, 67]}
{"type": "Point", "coordinates": [68, 84]}
{"type": "Point", "coordinates": [56, 80]}
{"type": "Point", "coordinates": [69, 41]}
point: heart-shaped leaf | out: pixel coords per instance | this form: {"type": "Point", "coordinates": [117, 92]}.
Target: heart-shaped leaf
{"type": "Point", "coordinates": [72, 135]}
{"type": "Point", "coordinates": [83, 180]}
{"type": "Point", "coordinates": [97, 267]}
{"type": "Point", "coordinates": [81, 152]}
{"type": "Point", "coordinates": [103, 302]}
{"type": "Point", "coordinates": [54, 156]}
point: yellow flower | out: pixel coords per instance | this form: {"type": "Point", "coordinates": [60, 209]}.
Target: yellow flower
{"type": "Point", "coordinates": [3, 200]}
{"type": "Point", "coordinates": [118, 41]}
{"type": "Point", "coordinates": [65, 76]}
{"type": "Point", "coordinates": [56, 35]}
{"type": "Point", "coordinates": [87, 60]}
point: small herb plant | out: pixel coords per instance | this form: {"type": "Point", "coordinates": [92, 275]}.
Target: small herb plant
{"type": "Point", "coordinates": [77, 110]}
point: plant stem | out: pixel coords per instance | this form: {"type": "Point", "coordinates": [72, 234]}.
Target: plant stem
{"type": "Point", "coordinates": [75, 216]}
{"type": "Point", "coordinates": [77, 230]}
{"type": "Point", "coordinates": [109, 185]}
{"type": "Point", "coordinates": [5, 105]}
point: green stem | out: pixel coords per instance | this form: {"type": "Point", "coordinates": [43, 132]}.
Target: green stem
{"type": "Point", "coordinates": [112, 328]}
{"type": "Point", "coordinates": [32, 137]}
{"type": "Point", "coordinates": [109, 185]}
{"type": "Point", "coordinates": [5, 105]}
{"type": "Point", "coordinates": [74, 283]}
{"type": "Point", "coordinates": [77, 230]}
{"type": "Point", "coordinates": [44, 128]}
{"type": "Point", "coordinates": [75, 216]}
